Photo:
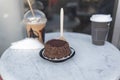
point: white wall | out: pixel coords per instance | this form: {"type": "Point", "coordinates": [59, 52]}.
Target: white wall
{"type": "Point", "coordinates": [116, 32]}
{"type": "Point", "coordinates": [11, 26]}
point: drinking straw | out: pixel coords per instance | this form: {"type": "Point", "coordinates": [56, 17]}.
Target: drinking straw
{"type": "Point", "coordinates": [31, 9]}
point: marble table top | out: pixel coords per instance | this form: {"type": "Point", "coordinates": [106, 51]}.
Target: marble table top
{"type": "Point", "coordinates": [90, 62]}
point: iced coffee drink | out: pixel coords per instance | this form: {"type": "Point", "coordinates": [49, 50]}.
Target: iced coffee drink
{"type": "Point", "coordinates": [35, 25]}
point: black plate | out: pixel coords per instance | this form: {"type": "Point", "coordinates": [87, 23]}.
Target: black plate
{"type": "Point", "coordinates": [57, 60]}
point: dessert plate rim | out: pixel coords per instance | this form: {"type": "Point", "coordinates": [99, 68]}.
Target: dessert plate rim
{"type": "Point", "coordinates": [57, 60]}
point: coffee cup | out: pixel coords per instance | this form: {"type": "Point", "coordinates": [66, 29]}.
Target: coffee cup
{"type": "Point", "coordinates": [100, 28]}
{"type": "Point", "coordinates": [35, 25]}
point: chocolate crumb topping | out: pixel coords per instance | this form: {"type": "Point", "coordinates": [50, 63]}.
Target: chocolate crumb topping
{"type": "Point", "coordinates": [56, 43]}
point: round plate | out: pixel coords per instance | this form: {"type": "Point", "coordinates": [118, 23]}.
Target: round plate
{"type": "Point", "coordinates": [57, 60]}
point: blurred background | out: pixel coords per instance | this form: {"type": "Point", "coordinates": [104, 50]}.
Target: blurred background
{"type": "Point", "coordinates": [77, 17]}
{"type": "Point", "coordinates": [77, 13]}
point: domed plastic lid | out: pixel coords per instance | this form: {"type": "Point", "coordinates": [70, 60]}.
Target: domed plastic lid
{"type": "Point", "coordinates": [38, 18]}
{"type": "Point", "coordinates": [101, 18]}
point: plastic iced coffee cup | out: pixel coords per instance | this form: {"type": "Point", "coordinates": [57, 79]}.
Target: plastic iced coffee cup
{"type": "Point", "coordinates": [35, 25]}
{"type": "Point", "coordinates": [100, 28]}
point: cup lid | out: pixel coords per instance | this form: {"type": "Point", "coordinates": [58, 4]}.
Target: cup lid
{"type": "Point", "coordinates": [101, 18]}
{"type": "Point", "coordinates": [38, 18]}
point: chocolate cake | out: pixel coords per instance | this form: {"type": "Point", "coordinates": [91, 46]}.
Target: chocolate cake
{"type": "Point", "coordinates": [56, 49]}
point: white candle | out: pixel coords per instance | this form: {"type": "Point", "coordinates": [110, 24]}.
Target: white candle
{"type": "Point", "coordinates": [61, 21]}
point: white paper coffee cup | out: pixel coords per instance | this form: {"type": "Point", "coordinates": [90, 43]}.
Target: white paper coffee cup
{"type": "Point", "coordinates": [100, 28]}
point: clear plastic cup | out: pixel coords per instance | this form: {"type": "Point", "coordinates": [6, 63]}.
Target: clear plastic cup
{"type": "Point", "coordinates": [35, 25]}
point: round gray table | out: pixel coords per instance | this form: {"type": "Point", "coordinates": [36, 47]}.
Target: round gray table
{"type": "Point", "coordinates": [90, 62]}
